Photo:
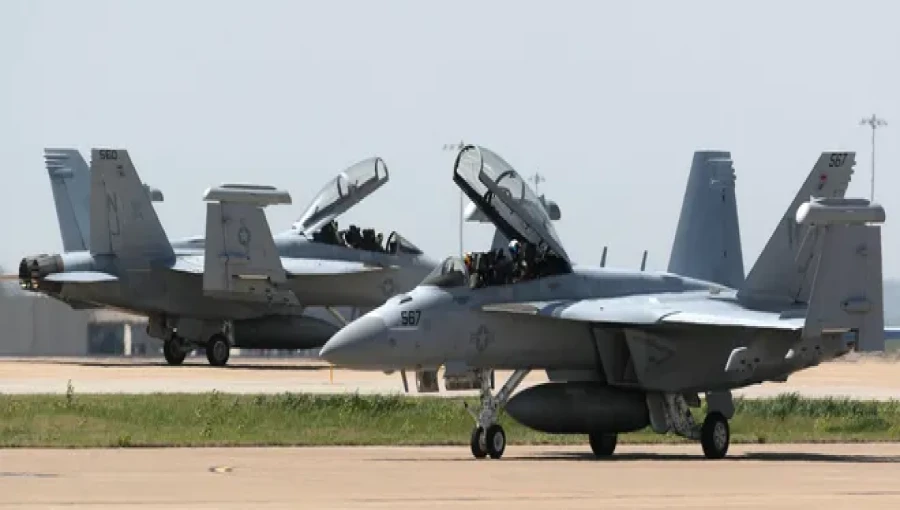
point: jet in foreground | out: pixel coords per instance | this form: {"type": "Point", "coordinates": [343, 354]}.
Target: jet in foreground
{"type": "Point", "coordinates": [626, 349]}
{"type": "Point", "coordinates": [243, 287]}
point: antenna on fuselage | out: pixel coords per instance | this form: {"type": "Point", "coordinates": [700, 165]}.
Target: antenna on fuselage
{"type": "Point", "coordinates": [603, 258]}
{"type": "Point", "coordinates": [644, 261]}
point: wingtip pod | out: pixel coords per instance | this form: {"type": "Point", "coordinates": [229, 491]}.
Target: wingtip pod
{"type": "Point", "coordinates": [259, 195]}
{"type": "Point", "coordinates": [835, 211]}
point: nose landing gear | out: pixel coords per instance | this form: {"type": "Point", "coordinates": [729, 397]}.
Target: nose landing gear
{"type": "Point", "coordinates": [488, 437]}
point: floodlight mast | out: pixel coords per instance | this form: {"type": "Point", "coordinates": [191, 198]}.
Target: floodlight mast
{"type": "Point", "coordinates": [537, 179]}
{"type": "Point", "coordinates": [874, 122]}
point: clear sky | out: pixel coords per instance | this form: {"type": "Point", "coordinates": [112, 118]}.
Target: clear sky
{"type": "Point", "coordinates": [607, 99]}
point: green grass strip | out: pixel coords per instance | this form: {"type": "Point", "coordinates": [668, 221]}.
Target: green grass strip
{"type": "Point", "coordinates": [216, 419]}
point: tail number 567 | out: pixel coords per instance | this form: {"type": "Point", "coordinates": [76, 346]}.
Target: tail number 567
{"type": "Point", "coordinates": [410, 317]}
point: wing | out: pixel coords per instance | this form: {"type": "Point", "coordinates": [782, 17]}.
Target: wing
{"type": "Point", "coordinates": [294, 268]}
{"type": "Point", "coordinates": [653, 309]}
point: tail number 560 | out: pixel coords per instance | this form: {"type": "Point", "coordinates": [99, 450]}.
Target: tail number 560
{"type": "Point", "coordinates": [410, 317]}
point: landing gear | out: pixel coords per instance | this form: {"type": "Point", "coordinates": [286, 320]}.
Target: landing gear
{"type": "Point", "coordinates": [715, 436]}
{"type": "Point", "coordinates": [488, 437]}
{"type": "Point", "coordinates": [173, 352]}
{"type": "Point", "coordinates": [495, 440]}
{"type": "Point", "coordinates": [479, 448]}
{"type": "Point", "coordinates": [670, 412]}
{"type": "Point", "coordinates": [603, 444]}
{"type": "Point", "coordinates": [218, 350]}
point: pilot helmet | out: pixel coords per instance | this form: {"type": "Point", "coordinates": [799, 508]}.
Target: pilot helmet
{"type": "Point", "coordinates": [514, 247]}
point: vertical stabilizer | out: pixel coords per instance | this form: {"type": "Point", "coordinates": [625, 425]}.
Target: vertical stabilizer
{"type": "Point", "coordinates": [707, 241]}
{"type": "Point", "coordinates": [70, 180]}
{"type": "Point", "coordinates": [782, 270]}
{"type": "Point", "coordinates": [123, 220]}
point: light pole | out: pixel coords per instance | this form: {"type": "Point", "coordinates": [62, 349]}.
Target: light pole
{"type": "Point", "coordinates": [874, 122]}
{"type": "Point", "coordinates": [458, 147]}
{"type": "Point", "coordinates": [537, 179]}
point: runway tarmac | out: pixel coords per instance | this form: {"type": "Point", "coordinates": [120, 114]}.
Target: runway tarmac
{"type": "Point", "coordinates": [863, 378]}
{"type": "Point", "coordinates": [757, 476]}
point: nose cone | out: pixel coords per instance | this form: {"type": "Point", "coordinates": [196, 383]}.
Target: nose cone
{"type": "Point", "coordinates": [357, 344]}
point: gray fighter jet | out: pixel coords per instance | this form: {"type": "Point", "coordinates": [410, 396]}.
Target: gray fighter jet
{"type": "Point", "coordinates": [243, 287]}
{"type": "Point", "coordinates": [627, 349]}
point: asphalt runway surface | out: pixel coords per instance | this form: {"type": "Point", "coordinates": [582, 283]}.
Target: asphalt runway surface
{"type": "Point", "coordinates": [638, 476]}
{"type": "Point", "coordinates": [757, 476]}
{"type": "Point", "coordinates": [869, 378]}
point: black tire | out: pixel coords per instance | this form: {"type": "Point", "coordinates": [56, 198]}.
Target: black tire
{"type": "Point", "coordinates": [479, 450]}
{"type": "Point", "coordinates": [602, 444]}
{"type": "Point", "coordinates": [495, 440]}
{"type": "Point", "coordinates": [173, 355]}
{"type": "Point", "coordinates": [218, 350]}
{"type": "Point", "coordinates": [715, 436]}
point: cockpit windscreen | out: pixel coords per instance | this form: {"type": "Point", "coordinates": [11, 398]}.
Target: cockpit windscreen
{"type": "Point", "coordinates": [343, 192]}
{"type": "Point", "coordinates": [451, 273]}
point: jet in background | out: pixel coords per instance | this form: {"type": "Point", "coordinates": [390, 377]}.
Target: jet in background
{"type": "Point", "coordinates": [243, 287]}
{"type": "Point", "coordinates": [627, 349]}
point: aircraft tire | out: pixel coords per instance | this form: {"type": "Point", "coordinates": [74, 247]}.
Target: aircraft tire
{"type": "Point", "coordinates": [715, 436]}
{"type": "Point", "coordinates": [479, 450]}
{"type": "Point", "coordinates": [218, 350]}
{"type": "Point", "coordinates": [495, 440]}
{"type": "Point", "coordinates": [173, 355]}
{"type": "Point", "coordinates": [603, 444]}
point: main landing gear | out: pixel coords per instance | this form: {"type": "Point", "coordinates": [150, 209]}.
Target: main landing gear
{"type": "Point", "coordinates": [218, 350]}
{"type": "Point", "coordinates": [174, 351]}
{"type": "Point", "coordinates": [715, 435]}
{"type": "Point", "coordinates": [488, 437]}
{"type": "Point", "coordinates": [670, 412]}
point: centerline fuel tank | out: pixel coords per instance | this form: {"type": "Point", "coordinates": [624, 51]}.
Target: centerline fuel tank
{"type": "Point", "coordinates": [579, 408]}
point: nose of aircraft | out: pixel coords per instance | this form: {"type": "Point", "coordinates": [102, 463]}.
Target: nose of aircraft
{"type": "Point", "coordinates": [356, 344]}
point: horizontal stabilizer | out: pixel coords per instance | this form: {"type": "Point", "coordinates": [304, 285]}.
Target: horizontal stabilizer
{"type": "Point", "coordinates": [81, 277]}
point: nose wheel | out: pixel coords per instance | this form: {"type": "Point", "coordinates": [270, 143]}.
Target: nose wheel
{"type": "Point", "coordinates": [479, 448]}
{"type": "Point", "coordinates": [488, 437]}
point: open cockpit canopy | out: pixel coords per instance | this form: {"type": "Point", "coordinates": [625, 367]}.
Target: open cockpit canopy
{"type": "Point", "coordinates": [343, 192]}
{"type": "Point", "coordinates": [504, 196]}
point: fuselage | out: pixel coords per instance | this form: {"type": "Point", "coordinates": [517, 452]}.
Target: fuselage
{"type": "Point", "coordinates": [435, 324]}
{"type": "Point", "coordinates": [499, 328]}
{"type": "Point", "coordinates": [156, 288]}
